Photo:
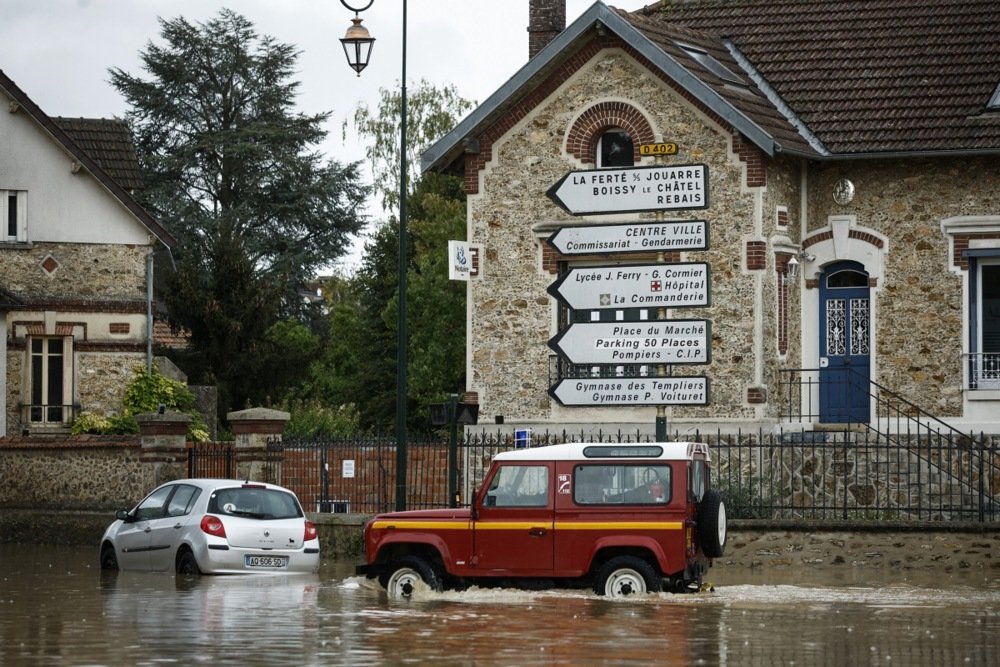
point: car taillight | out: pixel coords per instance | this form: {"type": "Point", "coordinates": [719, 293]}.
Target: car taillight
{"type": "Point", "coordinates": [213, 525]}
{"type": "Point", "coordinates": [311, 531]}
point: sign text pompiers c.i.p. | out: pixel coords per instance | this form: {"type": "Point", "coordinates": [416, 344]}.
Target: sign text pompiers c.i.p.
{"type": "Point", "coordinates": [632, 189]}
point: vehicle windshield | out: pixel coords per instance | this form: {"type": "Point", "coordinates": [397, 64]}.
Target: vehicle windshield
{"type": "Point", "coordinates": [255, 503]}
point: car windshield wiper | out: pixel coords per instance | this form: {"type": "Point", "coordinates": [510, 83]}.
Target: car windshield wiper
{"type": "Point", "coordinates": [252, 515]}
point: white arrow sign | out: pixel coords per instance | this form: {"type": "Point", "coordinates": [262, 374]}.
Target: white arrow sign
{"type": "Point", "coordinates": [632, 189]}
{"type": "Point", "coordinates": [679, 285]}
{"type": "Point", "coordinates": [691, 390]}
{"type": "Point", "coordinates": [632, 237]}
{"type": "Point", "coordinates": [664, 342]}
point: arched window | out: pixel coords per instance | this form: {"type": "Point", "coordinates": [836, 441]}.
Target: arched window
{"type": "Point", "coordinates": [614, 149]}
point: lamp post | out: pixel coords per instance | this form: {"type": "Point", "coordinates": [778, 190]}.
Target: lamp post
{"type": "Point", "coordinates": [358, 46]}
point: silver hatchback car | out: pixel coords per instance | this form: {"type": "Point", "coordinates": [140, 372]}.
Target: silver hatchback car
{"type": "Point", "coordinates": [213, 526]}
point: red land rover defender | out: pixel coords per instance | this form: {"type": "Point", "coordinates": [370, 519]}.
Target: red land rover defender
{"type": "Point", "coordinates": [622, 518]}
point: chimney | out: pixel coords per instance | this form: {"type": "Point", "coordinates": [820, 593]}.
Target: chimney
{"type": "Point", "coordinates": [546, 19]}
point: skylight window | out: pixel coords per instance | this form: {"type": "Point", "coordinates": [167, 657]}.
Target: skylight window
{"type": "Point", "coordinates": [709, 62]}
{"type": "Point", "coordinates": [994, 103]}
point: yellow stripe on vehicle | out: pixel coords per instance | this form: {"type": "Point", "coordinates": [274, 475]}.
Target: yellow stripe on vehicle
{"type": "Point", "coordinates": [420, 525]}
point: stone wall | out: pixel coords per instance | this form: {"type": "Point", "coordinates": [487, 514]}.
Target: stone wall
{"type": "Point", "coordinates": [512, 317]}
{"type": "Point", "coordinates": [73, 473]}
{"type": "Point", "coordinates": [77, 271]}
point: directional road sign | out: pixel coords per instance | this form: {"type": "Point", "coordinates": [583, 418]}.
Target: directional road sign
{"type": "Point", "coordinates": [677, 285]}
{"type": "Point", "coordinates": [632, 189]}
{"type": "Point", "coordinates": [629, 237]}
{"type": "Point", "coordinates": [649, 342]}
{"type": "Point", "coordinates": [675, 390]}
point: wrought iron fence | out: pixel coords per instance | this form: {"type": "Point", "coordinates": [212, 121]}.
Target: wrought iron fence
{"type": "Point", "coordinates": [804, 475]}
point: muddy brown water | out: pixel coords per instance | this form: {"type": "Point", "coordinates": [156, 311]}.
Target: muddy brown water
{"type": "Point", "coordinates": [57, 608]}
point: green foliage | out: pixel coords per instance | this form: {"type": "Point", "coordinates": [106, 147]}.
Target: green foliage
{"type": "Point", "coordinates": [431, 113]}
{"type": "Point", "coordinates": [145, 393]}
{"type": "Point", "coordinates": [359, 364]}
{"type": "Point", "coordinates": [233, 173]}
{"type": "Point", "coordinates": [311, 419]}
{"type": "Point", "coordinates": [90, 422]}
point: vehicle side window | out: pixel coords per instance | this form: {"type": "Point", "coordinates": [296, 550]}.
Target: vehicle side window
{"type": "Point", "coordinates": [631, 484]}
{"type": "Point", "coordinates": [154, 505]}
{"type": "Point", "coordinates": [182, 500]}
{"type": "Point", "coordinates": [699, 480]}
{"type": "Point", "coordinates": [519, 486]}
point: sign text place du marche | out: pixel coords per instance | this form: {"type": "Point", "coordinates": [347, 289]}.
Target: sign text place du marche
{"type": "Point", "coordinates": [632, 189]}
{"type": "Point", "coordinates": [646, 342]}
{"type": "Point", "coordinates": [668, 285]}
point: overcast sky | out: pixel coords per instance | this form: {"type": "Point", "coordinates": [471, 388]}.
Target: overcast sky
{"type": "Point", "coordinates": [59, 51]}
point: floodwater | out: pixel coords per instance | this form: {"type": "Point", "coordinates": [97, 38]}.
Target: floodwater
{"type": "Point", "coordinates": [57, 608]}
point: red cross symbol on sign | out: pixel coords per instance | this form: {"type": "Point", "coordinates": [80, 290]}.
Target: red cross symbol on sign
{"type": "Point", "coordinates": [654, 286]}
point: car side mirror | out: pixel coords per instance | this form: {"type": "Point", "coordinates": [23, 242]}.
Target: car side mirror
{"type": "Point", "coordinates": [123, 515]}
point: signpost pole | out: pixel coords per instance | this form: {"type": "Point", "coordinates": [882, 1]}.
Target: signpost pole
{"type": "Point", "coordinates": [453, 451]}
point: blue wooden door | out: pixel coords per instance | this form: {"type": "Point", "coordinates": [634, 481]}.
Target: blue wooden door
{"type": "Point", "coordinates": [845, 341]}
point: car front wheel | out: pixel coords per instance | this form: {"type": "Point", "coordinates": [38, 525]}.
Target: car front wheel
{"type": "Point", "coordinates": [406, 573]}
{"type": "Point", "coordinates": [624, 576]}
{"type": "Point", "coordinates": [109, 561]}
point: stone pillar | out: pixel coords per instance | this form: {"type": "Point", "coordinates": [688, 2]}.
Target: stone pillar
{"type": "Point", "coordinates": [163, 445]}
{"type": "Point", "coordinates": [254, 429]}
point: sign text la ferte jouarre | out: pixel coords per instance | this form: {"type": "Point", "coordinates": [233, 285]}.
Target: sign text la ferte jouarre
{"type": "Point", "coordinates": [668, 285]}
{"type": "Point", "coordinates": [632, 189]}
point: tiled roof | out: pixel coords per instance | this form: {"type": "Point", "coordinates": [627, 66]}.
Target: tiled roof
{"type": "Point", "coordinates": [109, 142]}
{"type": "Point", "coordinates": [8, 300]}
{"type": "Point", "coordinates": [864, 76]}
{"type": "Point", "coordinates": [739, 91]}
{"type": "Point", "coordinates": [163, 334]}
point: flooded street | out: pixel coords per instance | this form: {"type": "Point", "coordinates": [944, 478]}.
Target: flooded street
{"type": "Point", "coordinates": [56, 608]}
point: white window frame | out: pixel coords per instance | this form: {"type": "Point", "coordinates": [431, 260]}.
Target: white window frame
{"type": "Point", "coordinates": [22, 216]}
{"type": "Point", "coordinates": [65, 407]}
{"type": "Point", "coordinates": [985, 373]}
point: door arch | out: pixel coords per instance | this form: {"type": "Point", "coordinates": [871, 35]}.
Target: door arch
{"type": "Point", "coordinates": [844, 343]}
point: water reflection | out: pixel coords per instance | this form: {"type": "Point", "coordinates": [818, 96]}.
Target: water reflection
{"type": "Point", "coordinates": [56, 608]}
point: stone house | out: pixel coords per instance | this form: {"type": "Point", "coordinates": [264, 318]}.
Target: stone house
{"type": "Point", "coordinates": [836, 165]}
{"type": "Point", "coordinates": [76, 258]}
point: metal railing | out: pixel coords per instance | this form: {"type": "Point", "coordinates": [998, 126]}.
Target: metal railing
{"type": "Point", "coordinates": [982, 370]}
{"type": "Point", "coordinates": [804, 475]}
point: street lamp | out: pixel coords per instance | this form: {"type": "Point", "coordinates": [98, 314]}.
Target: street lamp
{"type": "Point", "coordinates": [357, 42]}
{"type": "Point", "coordinates": [357, 46]}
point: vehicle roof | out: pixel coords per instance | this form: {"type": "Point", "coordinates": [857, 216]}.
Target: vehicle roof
{"type": "Point", "coordinates": [574, 451]}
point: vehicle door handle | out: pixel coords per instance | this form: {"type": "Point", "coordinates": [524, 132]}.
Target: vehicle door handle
{"type": "Point", "coordinates": [147, 529]}
{"type": "Point", "coordinates": [538, 532]}
{"type": "Point", "coordinates": [178, 526]}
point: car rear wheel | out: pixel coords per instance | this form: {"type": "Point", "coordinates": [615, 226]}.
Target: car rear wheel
{"type": "Point", "coordinates": [712, 524]}
{"type": "Point", "coordinates": [186, 564]}
{"type": "Point", "coordinates": [624, 576]}
{"type": "Point", "coordinates": [109, 561]}
{"type": "Point", "coordinates": [406, 573]}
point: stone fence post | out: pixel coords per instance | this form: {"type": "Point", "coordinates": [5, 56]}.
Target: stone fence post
{"type": "Point", "coordinates": [163, 444]}
{"type": "Point", "coordinates": [253, 429]}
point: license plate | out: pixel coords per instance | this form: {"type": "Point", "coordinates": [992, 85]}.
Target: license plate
{"type": "Point", "coordinates": [266, 561]}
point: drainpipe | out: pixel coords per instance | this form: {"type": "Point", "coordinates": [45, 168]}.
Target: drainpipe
{"type": "Point", "coordinates": [149, 312]}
